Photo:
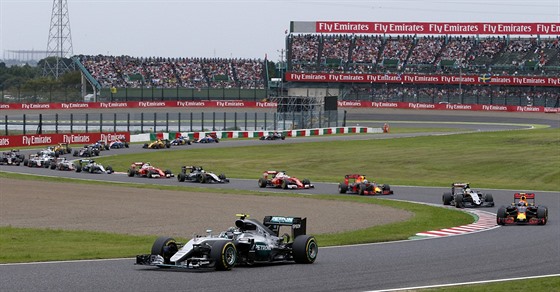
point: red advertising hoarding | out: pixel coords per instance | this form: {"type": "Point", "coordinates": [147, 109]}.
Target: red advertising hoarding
{"type": "Point", "coordinates": [484, 79]}
{"type": "Point", "coordinates": [452, 28]}
{"type": "Point", "coordinates": [51, 139]}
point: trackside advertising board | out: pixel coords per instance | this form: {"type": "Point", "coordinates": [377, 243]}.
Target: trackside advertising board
{"type": "Point", "coordinates": [78, 139]}
{"type": "Point", "coordinates": [341, 104]}
{"type": "Point", "coordinates": [441, 28]}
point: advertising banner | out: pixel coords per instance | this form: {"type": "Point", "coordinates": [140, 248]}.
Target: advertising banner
{"type": "Point", "coordinates": [79, 139]}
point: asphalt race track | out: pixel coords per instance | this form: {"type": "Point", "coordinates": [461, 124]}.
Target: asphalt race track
{"type": "Point", "coordinates": [487, 255]}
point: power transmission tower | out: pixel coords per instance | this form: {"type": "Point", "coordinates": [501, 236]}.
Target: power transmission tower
{"type": "Point", "coordinates": [59, 44]}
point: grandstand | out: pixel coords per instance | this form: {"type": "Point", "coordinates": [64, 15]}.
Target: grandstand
{"type": "Point", "coordinates": [393, 54]}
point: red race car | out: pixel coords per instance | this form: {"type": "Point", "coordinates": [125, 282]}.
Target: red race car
{"type": "Point", "coordinates": [146, 170]}
{"type": "Point", "coordinates": [358, 184]}
{"type": "Point", "coordinates": [522, 211]}
{"type": "Point", "coordinates": [279, 179]}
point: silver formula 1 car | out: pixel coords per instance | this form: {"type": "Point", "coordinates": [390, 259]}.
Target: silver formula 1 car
{"type": "Point", "coordinates": [249, 242]}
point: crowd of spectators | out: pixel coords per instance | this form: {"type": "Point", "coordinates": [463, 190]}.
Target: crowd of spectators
{"type": "Point", "coordinates": [126, 71]}
{"type": "Point", "coordinates": [451, 93]}
{"type": "Point", "coordinates": [425, 54]}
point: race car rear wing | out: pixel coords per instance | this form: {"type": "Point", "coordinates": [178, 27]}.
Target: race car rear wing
{"type": "Point", "coordinates": [298, 224]}
{"type": "Point", "coordinates": [527, 196]}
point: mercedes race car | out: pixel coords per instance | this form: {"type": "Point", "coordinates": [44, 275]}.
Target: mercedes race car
{"type": "Point", "coordinates": [273, 136]}
{"type": "Point", "coordinates": [523, 210]}
{"type": "Point", "coordinates": [12, 157]}
{"type": "Point", "coordinates": [198, 174]}
{"type": "Point", "coordinates": [89, 165]}
{"type": "Point", "coordinates": [158, 144]}
{"type": "Point", "coordinates": [279, 179]}
{"type": "Point", "coordinates": [87, 151]}
{"type": "Point", "coordinates": [358, 184]}
{"type": "Point", "coordinates": [62, 163]}
{"type": "Point", "coordinates": [181, 140]}
{"type": "Point", "coordinates": [462, 196]}
{"type": "Point", "coordinates": [249, 242]}
{"type": "Point", "coordinates": [147, 170]}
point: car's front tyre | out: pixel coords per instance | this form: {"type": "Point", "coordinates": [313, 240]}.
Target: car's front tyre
{"type": "Point", "coordinates": [224, 255]}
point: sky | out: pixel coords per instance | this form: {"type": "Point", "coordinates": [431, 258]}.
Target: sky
{"type": "Point", "coordinates": [230, 29]}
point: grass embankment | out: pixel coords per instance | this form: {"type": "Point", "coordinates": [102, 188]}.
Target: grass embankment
{"type": "Point", "coordinates": [508, 159]}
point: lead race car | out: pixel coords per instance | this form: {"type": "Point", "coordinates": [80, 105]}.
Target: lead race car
{"type": "Point", "coordinates": [462, 195]}
{"type": "Point", "coordinates": [523, 210]}
{"type": "Point", "coordinates": [249, 242]}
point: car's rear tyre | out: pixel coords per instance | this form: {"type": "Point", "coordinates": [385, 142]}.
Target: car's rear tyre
{"type": "Point", "coordinates": [285, 184]}
{"type": "Point", "coordinates": [342, 188]}
{"type": "Point", "coordinates": [131, 172]}
{"type": "Point", "coordinates": [181, 177]}
{"type": "Point", "coordinates": [224, 255]}
{"type": "Point", "coordinates": [542, 214]}
{"type": "Point", "coordinates": [459, 201]}
{"type": "Point", "coordinates": [447, 198]}
{"type": "Point", "coordinates": [501, 216]}
{"type": "Point", "coordinates": [53, 166]}
{"type": "Point", "coordinates": [305, 249]}
{"type": "Point", "coordinates": [165, 247]}
{"type": "Point", "coordinates": [78, 168]}
{"type": "Point", "coordinates": [262, 183]}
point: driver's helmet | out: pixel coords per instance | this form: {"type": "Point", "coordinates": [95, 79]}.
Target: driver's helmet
{"type": "Point", "coordinates": [366, 181]}
{"type": "Point", "coordinates": [467, 190]}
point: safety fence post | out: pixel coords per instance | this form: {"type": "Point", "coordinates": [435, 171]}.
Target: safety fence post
{"type": "Point", "coordinates": [265, 119]}
{"type": "Point", "coordinates": [87, 119]}
{"type": "Point", "coordinates": [166, 120]}
{"type": "Point", "coordinates": [225, 125]}
{"type": "Point", "coordinates": [178, 119]}
{"type": "Point", "coordinates": [71, 123]}
{"type": "Point", "coordinates": [115, 122]}
{"type": "Point", "coordinates": [202, 122]}
{"type": "Point", "coordinates": [155, 116]}
{"type": "Point", "coordinates": [141, 122]}
{"type": "Point", "coordinates": [191, 121]}
{"type": "Point", "coordinates": [246, 121]}
{"type": "Point", "coordinates": [235, 121]}
{"type": "Point", "coordinates": [25, 122]}
{"type": "Point", "coordinates": [255, 121]}
{"type": "Point", "coordinates": [6, 124]}
{"type": "Point", "coordinates": [100, 123]}
{"type": "Point", "coordinates": [128, 122]}
{"type": "Point", "coordinates": [56, 123]}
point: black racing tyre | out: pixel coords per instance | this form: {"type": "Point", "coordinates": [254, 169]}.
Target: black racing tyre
{"type": "Point", "coordinates": [362, 189]}
{"type": "Point", "coordinates": [25, 162]}
{"type": "Point", "coordinates": [342, 188]}
{"type": "Point", "coordinates": [488, 198]}
{"type": "Point", "coordinates": [459, 201]}
{"type": "Point", "coordinates": [75, 153]}
{"type": "Point", "coordinates": [224, 255]}
{"type": "Point", "coordinates": [165, 247]}
{"type": "Point", "coordinates": [168, 145]}
{"type": "Point", "coordinates": [52, 166]}
{"type": "Point", "coordinates": [306, 181]}
{"type": "Point", "coordinates": [181, 177]}
{"type": "Point", "coordinates": [447, 198]}
{"type": "Point", "coordinates": [109, 169]}
{"type": "Point", "coordinates": [216, 140]}
{"type": "Point", "coordinates": [131, 172]}
{"type": "Point", "coordinates": [501, 214]}
{"type": "Point", "coordinates": [125, 145]}
{"type": "Point", "coordinates": [222, 176]}
{"type": "Point", "coordinates": [262, 182]}
{"type": "Point", "coordinates": [542, 213]}
{"type": "Point", "coordinates": [78, 168]}
{"type": "Point", "coordinates": [285, 184]}
{"type": "Point", "coordinates": [305, 249]}
{"type": "Point", "coordinates": [203, 179]}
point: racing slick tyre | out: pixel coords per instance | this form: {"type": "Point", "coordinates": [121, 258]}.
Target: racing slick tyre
{"type": "Point", "coordinates": [489, 200]}
{"type": "Point", "coordinates": [362, 189]}
{"type": "Point", "coordinates": [25, 162]}
{"type": "Point", "coordinates": [305, 249]}
{"type": "Point", "coordinates": [262, 183]}
{"type": "Point", "coordinates": [222, 176]}
{"type": "Point", "coordinates": [342, 188]}
{"type": "Point", "coordinates": [306, 181]}
{"type": "Point", "coordinates": [501, 215]}
{"type": "Point", "coordinates": [542, 215]}
{"type": "Point", "coordinates": [459, 201]}
{"type": "Point", "coordinates": [52, 166]}
{"type": "Point", "coordinates": [285, 184]}
{"type": "Point", "coordinates": [181, 177]}
{"type": "Point", "coordinates": [78, 168]}
{"type": "Point", "coordinates": [203, 179]}
{"type": "Point", "coordinates": [224, 255]}
{"type": "Point", "coordinates": [145, 145]}
{"type": "Point", "coordinates": [447, 198]}
{"type": "Point", "coordinates": [165, 247]}
{"type": "Point", "coordinates": [109, 169]}
{"type": "Point", "coordinates": [131, 172]}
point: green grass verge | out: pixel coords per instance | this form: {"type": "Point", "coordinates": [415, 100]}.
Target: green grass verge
{"type": "Point", "coordinates": [517, 160]}
{"type": "Point", "coordinates": [539, 284]}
